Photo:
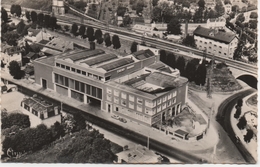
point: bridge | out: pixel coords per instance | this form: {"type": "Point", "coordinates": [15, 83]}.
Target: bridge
{"type": "Point", "coordinates": [249, 78]}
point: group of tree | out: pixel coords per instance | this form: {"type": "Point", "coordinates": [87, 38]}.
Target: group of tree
{"type": "Point", "coordinates": [18, 119]}
{"type": "Point", "coordinates": [249, 135]}
{"type": "Point", "coordinates": [41, 19]}
{"type": "Point", "coordinates": [21, 138]}
{"type": "Point", "coordinates": [238, 108]}
{"type": "Point", "coordinates": [16, 9]}
{"type": "Point", "coordinates": [194, 71]}
{"type": "Point", "coordinates": [253, 15]}
{"type": "Point", "coordinates": [134, 47]}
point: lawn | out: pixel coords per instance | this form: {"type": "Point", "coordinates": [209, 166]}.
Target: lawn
{"type": "Point", "coordinates": [253, 100]}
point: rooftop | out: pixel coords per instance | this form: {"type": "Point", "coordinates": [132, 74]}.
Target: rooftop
{"type": "Point", "coordinates": [139, 154]}
{"type": "Point", "coordinates": [143, 54]}
{"type": "Point", "coordinates": [33, 31]}
{"type": "Point", "coordinates": [220, 36]}
{"type": "Point", "coordinates": [59, 44]}
{"type": "Point", "coordinates": [38, 104]}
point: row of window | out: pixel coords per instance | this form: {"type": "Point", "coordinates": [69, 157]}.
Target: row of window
{"type": "Point", "coordinates": [78, 86]}
{"type": "Point", "coordinates": [78, 71]}
{"type": "Point", "coordinates": [133, 114]}
{"type": "Point", "coordinates": [139, 100]}
{"type": "Point", "coordinates": [139, 107]}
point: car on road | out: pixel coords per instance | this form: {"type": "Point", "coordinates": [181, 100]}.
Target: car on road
{"type": "Point", "coordinates": [123, 120]}
{"type": "Point", "coordinates": [5, 88]}
{"type": "Point", "coordinates": [115, 117]}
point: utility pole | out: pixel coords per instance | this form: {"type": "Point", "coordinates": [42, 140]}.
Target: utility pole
{"type": "Point", "coordinates": [209, 84]}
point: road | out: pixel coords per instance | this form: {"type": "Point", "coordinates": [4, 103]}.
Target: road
{"type": "Point", "coordinates": [223, 117]}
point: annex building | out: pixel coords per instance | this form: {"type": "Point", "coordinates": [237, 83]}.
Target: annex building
{"type": "Point", "coordinates": [137, 86]}
{"type": "Point", "coordinates": [215, 41]}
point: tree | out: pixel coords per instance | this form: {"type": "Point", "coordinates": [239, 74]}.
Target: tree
{"type": "Point", "coordinates": [180, 65]}
{"type": "Point", "coordinates": [157, 14]}
{"type": "Point", "coordinates": [163, 57]}
{"type": "Point", "coordinates": [74, 28]}
{"type": "Point", "coordinates": [107, 39]}
{"type": "Point", "coordinates": [240, 18]}
{"type": "Point", "coordinates": [174, 27]}
{"type": "Point", "coordinates": [98, 34]}
{"type": "Point", "coordinates": [116, 42]}
{"type": "Point", "coordinates": [28, 15]}
{"type": "Point", "coordinates": [127, 20]}
{"type": "Point", "coordinates": [242, 123]}
{"type": "Point", "coordinates": [253, 24]}
{"type": "Point", "coordinates": [15, 70]}
{"type": "Point", "coordinates": [139, 7]}
{"type": "Point", "coordinates": [4, 15]}
{"type": "Point", "coordinates": [79, 123]}
{"type": "Point", "coordinates": [134, 47]}
{"type": "Point", "coordinates": [238, 112]}
{"type": "Point", "coordinates": [16, 9]}
{"type": "Point", "coordinates": [47, 20]}
{"type": "Point", "coordinates": [220, 9]}
{"type": "Point", "coordinates": [90, 31]}
{"type": "Point", "coordinates": [82, 30]}
{"type": "Point", "coordinates": [171, 61]}
{"type": "Point", "coordinates": [100, 40]}
{"type": "Point", "coordinates": [190, 70]}
{"type": "Point", "coordinates": [155, 3]}
{"type": "Point", "coordinates": [53, 22]}
{"type": "Point", "coordinates": [212, 14]}
{"type": "Point", "coordinates": [239, 50]}
{"type": "Point", "coordinates": [239, 102]}
{"type": "Point", "coordinates": [33, 16]}
{"type": "Point", "coordinates": [201, 3]}
{"type": "Point", "coordinates": [201, 74]}
{"type": "Point", "coordinates": [40, 18]}
{"type": "Point", "coordinates": [10, 37]}
{"type": "Point", "coordinates": [253, 15]}
{"type": "Point", "coordinates": [57, 130]}
{"type": "Point", "coordinates": [249, 135]}
{"type": "Point", "coordinates": [189, 41]}
{"type": "Point", "coordinates": [121, 11]}
{"type": "Point", "coordinates": [234, 8]}
{"type": "Point", "coordinates": [12, 119]}
{"type": "Point", "coordinates": [227, 2]}
{"type": "Point", "coordinates": [20, 26]}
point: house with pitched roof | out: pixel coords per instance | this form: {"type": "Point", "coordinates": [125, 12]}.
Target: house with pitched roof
{"type": "Point", "coordinates": [214, 41]}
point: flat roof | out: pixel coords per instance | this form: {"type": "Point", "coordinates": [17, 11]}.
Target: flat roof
{"type": "Point", "coordinates": [47, 60]}
{"type": "Point", "coordinates": [116, 64]}
{"type": "Point", "coordinates": [181, 132]}
{"type": "Point", "coordinates": [221, 36]}
{"type": "Point", "coordinates": [80, 55]}
{"type": "Point", "coordinates": [143, 54]}
{"type": "Point", "coordinates": [100, 59]}
{"type": "Point", "coordinates": [58, 44]}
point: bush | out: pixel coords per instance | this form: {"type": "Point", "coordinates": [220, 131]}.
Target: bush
{"type": "Point", "coordinates": [253, 15]}
{"type": "Point", "coordinates": [18, 119]}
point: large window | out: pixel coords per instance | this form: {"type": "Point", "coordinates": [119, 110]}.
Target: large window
{"type": "Point", "coordinates": [116, 93]}
{"type": "Point", "coordinates": [116, 100]}
{"type": "Point", "coordinates": [71, 83]}
{"type": "Point", "coordinates": [123, 95]}
{"type": "Point", "coordinates": [139, 100]}
{"type": "Point", "coordinates": [66, 81]}
{"type": "Point", "coordinates": [131, 105]}
{"type": "Point", "coordinates": [123, 102]}
{"type": "Point", "coordinates": [77, 85]}
{"type": "Point", "coordinates": [82, 87]}
{"type": "Point", "coordinates": [139, 108]}
{"type": "Point", "coordinates": [77, 96]}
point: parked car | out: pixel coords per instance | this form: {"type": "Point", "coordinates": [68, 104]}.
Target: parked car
{"type": "Point", "coordinates": [5, 88]}
{"type": "Point", "coordinates": [115, 117]}
{"type": "Point", "coordinates": [122, 120]}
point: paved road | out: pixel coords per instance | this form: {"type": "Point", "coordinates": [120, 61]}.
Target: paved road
{"type": "Point", "coordinates": [223, 117]}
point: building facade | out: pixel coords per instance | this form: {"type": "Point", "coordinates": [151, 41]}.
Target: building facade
{"type": "Point", "coordinates": [215, 41]}
{"type": "Point", "coordinates": [136, 86]}
{"type": "Point", "coordinates": [58, 7]}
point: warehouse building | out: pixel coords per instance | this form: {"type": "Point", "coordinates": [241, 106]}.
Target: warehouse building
{"type": "Point", "coordinates": [136, 86]}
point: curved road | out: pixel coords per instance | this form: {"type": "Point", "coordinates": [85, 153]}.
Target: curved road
{"type": "Point", "coordinates": [223, 117]}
